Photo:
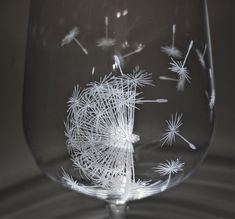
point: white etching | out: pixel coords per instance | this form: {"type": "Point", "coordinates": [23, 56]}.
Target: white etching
{"type": "Point", "coordinates": [169, 168]}
{"type": "Point", "coordinates": [172, 131]}
{"type": "Point", "coordinates": [181, 70]}
{"type": "Point", "coordinates": [172, 51]}
{"type": "Point", "coordinates": [71, 36]}
{"type": "Point", "coordinates": [99, 129]}
{"type": "Point", "coordinates": [105, 42]}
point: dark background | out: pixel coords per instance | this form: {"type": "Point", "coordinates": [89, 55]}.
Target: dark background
{"type": "Point", "coordinates": [26, 193]}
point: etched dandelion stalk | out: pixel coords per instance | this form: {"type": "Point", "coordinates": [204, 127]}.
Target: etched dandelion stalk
{"type": "Point", "coordinates": [172, 131]}
{"type": "Point", "coordinates": [105, 42]}
{"type": "Point", "coordinates": [172, 51]}
{"type": "Point", "coordinates": [201, 56]}
{"type": "Point", "coordinates": [181, 70]}
{"type": "Point", "coordinates": [71, 36]}
{"type": "Point", "coordinates": [169, 168]}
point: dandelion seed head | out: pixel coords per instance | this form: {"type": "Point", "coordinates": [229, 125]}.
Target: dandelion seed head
{"type": "Point", "coordinates": [180, 69]}
{"type": "Point", "coordinates": [172, 129]}
{"type": "Point", "coordinates": [105, 43]}
{"type": "Point", "coordinates": [120, 136]}
{"type": "Point", "coordinates": [70, 36]}
{"type": "Point", "coordinates": [170, 167]}
{"type": "Point", "coordinates": [182, 72]}
{"type": "Point", "coordinates": [99, 129]}
{"type": "Point", "coordinates": [171, 51]}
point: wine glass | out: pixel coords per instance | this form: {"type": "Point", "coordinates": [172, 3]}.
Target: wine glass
{"type": "Point", "coordinates": [118, 95]}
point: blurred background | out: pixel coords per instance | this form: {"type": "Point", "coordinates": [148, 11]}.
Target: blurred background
{"type": "Point", "coordinates": [26, 193]}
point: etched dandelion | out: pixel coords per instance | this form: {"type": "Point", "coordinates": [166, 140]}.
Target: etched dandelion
{"type": "Point", "coordinates": [99, 129]}
{"type": "Point", "coordinates": [105, 42]}
{"type": "Point", "coordinates": [181, 70]}
{"type": "Point", "coordinates": [167, 169]}
{"type": "Point", "coordinates": [170, 167]}
{"type": "Point", "coordinates": [172, 51]}
{"type": "Point", "coordinates": [71, 36]}
{"type": "Point", "coordinates": [108, 139]}
{"type": "Point", "coordinates": [173, 130]}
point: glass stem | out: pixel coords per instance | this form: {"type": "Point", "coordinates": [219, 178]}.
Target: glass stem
{"type": "Point", "coordinates": [116, 211]}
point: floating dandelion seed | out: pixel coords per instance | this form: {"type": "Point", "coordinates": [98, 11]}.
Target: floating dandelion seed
{"type": "Point", "coordinates": [71, 36]}
{"type": "Point", "coordinates": [201, 56]}
{"type": "Point", "coordinates": [99, 129]}
{"type": "Point", "coordinates": [105, 42]}
{"type": "Point", "coordinates": [181, 70]}
{"type": "Point", "coordinates": [169, 168]}
{"type": "Point", "coordinates": [172, 51]}
{"type": "Point", "coordinates": [172, 131]}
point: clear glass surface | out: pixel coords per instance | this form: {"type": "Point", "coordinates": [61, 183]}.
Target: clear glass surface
{"type": "Point", "coordinates": [118, 95]}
